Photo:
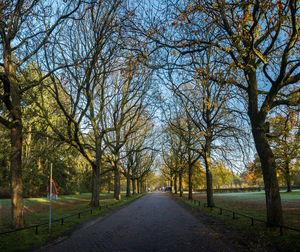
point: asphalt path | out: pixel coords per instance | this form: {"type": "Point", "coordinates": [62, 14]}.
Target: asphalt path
{"type": "Point", "coordinates": [154, 222]}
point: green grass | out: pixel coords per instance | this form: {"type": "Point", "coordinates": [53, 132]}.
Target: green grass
{"type": "Point", "coordinates": [27, 239]}
{"type": "Point", "coordinates": [61, 198]}
{"type": "Point", "coordinates": [254, 196]}
{"type": "Point", "coordinates": [36, 209]}
{"type": "Point", "coordinates": [253, 204]}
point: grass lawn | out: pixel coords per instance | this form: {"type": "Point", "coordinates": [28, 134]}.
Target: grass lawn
{"type": "Point", "coordinates": [253, 204]}
{"type": "Point", "coordinates": [37, 211]}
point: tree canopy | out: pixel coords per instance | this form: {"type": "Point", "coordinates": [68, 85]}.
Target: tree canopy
{"type": "Point", "coordinates": [119, 95]}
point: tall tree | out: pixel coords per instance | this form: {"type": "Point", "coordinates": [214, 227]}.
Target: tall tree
{"type": "Point", "coordinates": [184, 128]}
{"type": "Point", "coordinates": [260, 38]}
{"type": "Point", "coordinates": [173, 155]}
{"type": "Point", "coordinates": [26, 27]}
{"type": "Point", "coordinates": [137, 142]}
{"type": "Point", "coordinates": [206, 105]}
{"type": "Point", "coordinates": [88, 49]}
{"type": "Point", "coordinates": [259, 41]}
{"type": "Point", "coordinates": [124, 111]}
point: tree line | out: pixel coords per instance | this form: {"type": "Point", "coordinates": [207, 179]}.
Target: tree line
{"type": "Point", "coordinates": [79, 86]}
{"type": "Point", "coordinates": [227, 61]}
{"type": "Point", "coordinates": [74, 95]}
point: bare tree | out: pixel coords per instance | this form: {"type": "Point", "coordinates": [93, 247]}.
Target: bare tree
{"type": "Point", "coordinates": [183, 127]}
{"type": "Point", "coordinates": [124, 112]}
{"type": "Point", "coordinates": [173, 153]}
{"type": "Point", "coordinates": [144, 168]}
{"type": "Point", "coordinates": [137, 142]}
{"type": "Point", "coordinates": [88, 50]}
{"type": "Point", "coordinates": [259, 41]}
{"type": "Point", "coordinates": [206, 103]}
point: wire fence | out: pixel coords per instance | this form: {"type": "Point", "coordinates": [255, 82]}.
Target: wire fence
{"type": "Point", "coordinates": [243, 189]}
{"type": "Point", "coordinates": [234, 215]}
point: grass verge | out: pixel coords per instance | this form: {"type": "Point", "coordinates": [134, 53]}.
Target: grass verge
{"type": "Point", "coordinates": [253, 204]}
{"type": "Point", "coordinates": [27, 239]}
{"type": "Point", "coordinates": [289, 241]}
{"type": "Point", "coordinates": [36, 210]}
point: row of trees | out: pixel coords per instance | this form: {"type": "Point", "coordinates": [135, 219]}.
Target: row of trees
{"type": "Point", "coordinates": [73, 94]}
{"type": "Point", "coordinates": [243, 52]}
{"type": "Point", "coordinates": [201, 134]}
{"type": "Point", "coordinates": [230, 65]}
{"type": "Point", "coordinates": [181, 135]}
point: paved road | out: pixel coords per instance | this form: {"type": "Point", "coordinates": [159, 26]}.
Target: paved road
{"type": "Point", "coordinates": [152, 223]}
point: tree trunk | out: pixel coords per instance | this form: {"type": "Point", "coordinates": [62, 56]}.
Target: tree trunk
{"type": "Point", "coordinates": [190, 181]}
{"type": "Point", "coordinates": [17, 205]}
{"type": "Point", "coordinates": [175, 183]}
{"type": "Point", "coordinates": [267, 159]}
{"type": "Point", "coordinates": [27, 148]}
{"type": "Point", "coordinates": [180, 184]}
{"type": "Point", "coordinates": [209, 189]}
{"type": "Point", "coordinates": [95, 187]}
{"type": "Point", "coordinates": [128, 193]}
{"type": "Point", "coordinates": [46, 166]}
{"type": "Point", "coordinates": [171, 182]}
{"type": "Point", "coordinates": [288, 177]}
{"type": "Point", "coordinates": [39, 164]}
{"type": "Point", "coordinates": [117, 186]}
{"type": "Point", "coordinates": [96, 172]}
{"type": "Point", "coordinates": [133, 186]}
{"type": "Point", "coordinates": [141, 186]}
{"type": "Point", "coordinates": [138, 185]}
{"type": "Point", "coordinates": [109, 185]}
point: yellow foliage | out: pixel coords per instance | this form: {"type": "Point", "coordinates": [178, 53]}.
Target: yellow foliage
{"type": "Point", "coordinates": [175, 53]}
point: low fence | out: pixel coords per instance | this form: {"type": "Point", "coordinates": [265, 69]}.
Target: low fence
{"type": "Point", "coordinates": [61, 220]}
{"type": "Point", "coordinates": [235, 214]}
{"type": "Point", "coordinates": [243, 189]}
{"type": "Point", "coordinates": [228, 190]}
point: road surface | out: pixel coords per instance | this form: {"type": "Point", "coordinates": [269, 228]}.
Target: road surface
{"type": "Point", "coordinates": [154, 222]}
